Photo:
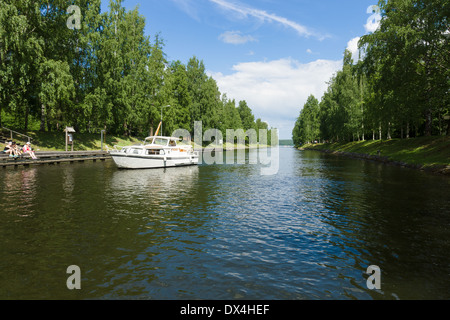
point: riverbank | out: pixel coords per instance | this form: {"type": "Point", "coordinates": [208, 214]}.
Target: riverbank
{"type": "Point", "coordinates": [54, 141]}
{"type": "Point", "coordinates": [424, 153]}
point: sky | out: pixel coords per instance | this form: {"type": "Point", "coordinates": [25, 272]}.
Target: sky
{"type": "Point", "coordinates": [272, 54]}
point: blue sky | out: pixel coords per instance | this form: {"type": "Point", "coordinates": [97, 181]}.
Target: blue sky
{"type": "Point", "coordinates": [272, 54]}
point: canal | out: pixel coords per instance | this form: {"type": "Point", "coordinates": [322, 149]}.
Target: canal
{"type": "Point", "coordinates": [224, 231]}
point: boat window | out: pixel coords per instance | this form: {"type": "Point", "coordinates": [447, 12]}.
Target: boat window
{"type": "Point", "coordinates": [153, 151]}
{"type": "Point", "coordinates": [160, 141]}
{"type": "Point", "coordinates": [135, 151]}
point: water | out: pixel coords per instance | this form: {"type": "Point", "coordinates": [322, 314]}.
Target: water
{"type": "Point", "coordinates": [225, 231]}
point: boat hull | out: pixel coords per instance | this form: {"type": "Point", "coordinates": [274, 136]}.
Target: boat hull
{"type": "Point", "coordinates": [126, 161]}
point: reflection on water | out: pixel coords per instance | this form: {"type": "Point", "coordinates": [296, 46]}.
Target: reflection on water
{"type": "Point", "coordinates": [225, 231]}
{"type": "Point", "coordinates": [153, 187]}
{"type": "Point", "coordinates": [19, 188]}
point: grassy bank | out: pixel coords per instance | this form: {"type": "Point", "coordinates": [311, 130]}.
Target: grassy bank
{"type": "Point", "coordinates": [55, 141]}
{"type": "Point", "coordinates": [424, 152]}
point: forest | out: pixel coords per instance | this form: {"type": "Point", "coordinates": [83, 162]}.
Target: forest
{"type": "Point", "coordinates": [64, 65]}
{"type": "Point", "coordinates": [399, 87]}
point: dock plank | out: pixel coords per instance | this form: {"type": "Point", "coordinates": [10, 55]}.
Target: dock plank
{"type": "Point", "coordinates": [52, 157]}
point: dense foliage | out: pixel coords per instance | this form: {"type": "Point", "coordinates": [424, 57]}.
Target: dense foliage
{"type": "Point", "coordinates": [398, 88]}
{"type": "Point", "coordinates": [103, 74]}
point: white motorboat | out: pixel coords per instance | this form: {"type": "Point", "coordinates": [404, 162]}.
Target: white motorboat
{"type": "Point", "coordinates": [155, 152]}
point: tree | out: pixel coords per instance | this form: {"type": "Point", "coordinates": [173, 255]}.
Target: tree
{"type": "Point", "coordinates": [104, 73]}
{"type": "Point", "coordinates": [406, 61]}
{"type": "Point", "coordinates": [196, 76]}
{"type": "Point", "coordinates": [307, 126]}
{"type": "Point", "coordinates": [176, 84]}
{"type": "Point", "coordinates": [247, 117]}
{"type": "Point", "coordinates": [55, 92]}
{"type": "Point", "coordinates": [21, 52]}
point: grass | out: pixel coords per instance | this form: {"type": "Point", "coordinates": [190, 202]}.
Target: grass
{"type": "Point", "coordinates": [423, 151]}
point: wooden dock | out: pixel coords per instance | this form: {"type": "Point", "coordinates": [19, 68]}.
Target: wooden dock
{"type": "Point", "coordinates": [53, 157]}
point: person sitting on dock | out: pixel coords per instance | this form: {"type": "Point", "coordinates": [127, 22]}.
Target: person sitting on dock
{"type": "Point", "coordinates": [8, 149]}
{"type": "Point", "coordinates": [27, 149]}
{"type": "Point", "coordinates": [16, 152]}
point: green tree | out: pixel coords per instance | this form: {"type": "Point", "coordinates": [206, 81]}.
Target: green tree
{"type": "Point", "coordinates": [55, 92]}
{"type": "Point", "coordinates": [21, 52]}
{"type": "Point", "coordinates": [247, 117]}
{"type": "Point", "coordinates": [307, 126]}
{"type": "Point", "coordinates": [176, 83]}
{"type": "Point", "coordinates": [197, 77]}
{"type": "Point", "coordinates": [406, 61]}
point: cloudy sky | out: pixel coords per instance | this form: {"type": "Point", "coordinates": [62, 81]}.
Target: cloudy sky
{"type": "Point", "coordinates": [272, 54]}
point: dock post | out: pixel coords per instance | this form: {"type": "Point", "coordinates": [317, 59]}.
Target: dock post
{"type": "Point", "coordinates": [102, 132]}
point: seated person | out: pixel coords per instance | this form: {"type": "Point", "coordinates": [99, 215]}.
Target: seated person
{"type": "Point", "coordinates": [15, 150]}
{"type": "Point", "coordinates": [27, 149]}
{"type": "Point", "coordinates": [8, 149]}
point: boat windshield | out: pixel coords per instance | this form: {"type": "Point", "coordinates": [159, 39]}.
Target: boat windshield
{"type": "Point", "coordinates": [160, 141]}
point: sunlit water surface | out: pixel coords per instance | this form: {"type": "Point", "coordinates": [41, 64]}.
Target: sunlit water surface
{"type": "Point", "coordinates": [225, 231]}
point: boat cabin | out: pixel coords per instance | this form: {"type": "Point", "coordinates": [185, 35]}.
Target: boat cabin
{"type": "Point", "coordinates": [162, 141]}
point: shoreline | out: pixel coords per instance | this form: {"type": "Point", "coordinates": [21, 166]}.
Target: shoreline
{"type": "Point", "coordinates": [433, 168]}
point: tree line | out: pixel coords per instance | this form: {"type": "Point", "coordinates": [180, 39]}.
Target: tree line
{"type": "Point", "coordinates": [399, 88]}
{"type": "Point", "coordinates": [102, 73]}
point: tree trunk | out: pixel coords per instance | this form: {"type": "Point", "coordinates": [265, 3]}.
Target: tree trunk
{"type": "Point", "coordinates": [27, 111]}
{"type": "Point", "coordinates": [42, 128]}
{"type": "Point", "coordinates": [428, 123]}
{"type": "Point", "coordinates": [407, 130]}
{"type": "Point", "coordinates": [49, 126]}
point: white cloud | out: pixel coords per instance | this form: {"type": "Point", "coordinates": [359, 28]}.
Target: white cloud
{"type": "Point", "coordinates": [277, 90]}
{"type": "Point", "coordinates": [264, 16]}
{"type": "Point", "coordinates": [235, 37]}
{"type": "Point", "coordinates": [188, 6]}
{"type": "Point", "coordinates": [352, 46]}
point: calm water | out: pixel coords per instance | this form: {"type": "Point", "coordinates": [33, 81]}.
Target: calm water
{"type": "Point", "coordinates": [225, 231]}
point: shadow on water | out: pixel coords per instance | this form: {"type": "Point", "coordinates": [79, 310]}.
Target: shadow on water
{"type": "Point", "coordinates": [395, 218]}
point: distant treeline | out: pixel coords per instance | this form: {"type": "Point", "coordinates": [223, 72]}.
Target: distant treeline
{"type": "Point", "coordinates": [399, 87]}
{"type": "Point", "coordinates": [91, 70]}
